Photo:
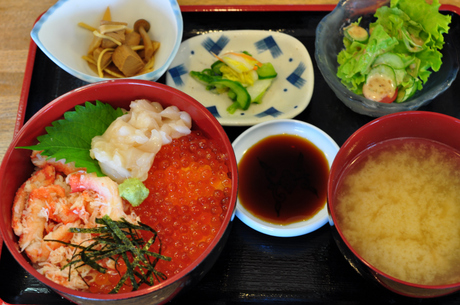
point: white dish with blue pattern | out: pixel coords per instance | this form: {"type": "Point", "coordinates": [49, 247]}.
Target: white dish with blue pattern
{"type": "Point", "coordinates": [289, 94]}
{"type": "Point", "coordinates": [58, 35]}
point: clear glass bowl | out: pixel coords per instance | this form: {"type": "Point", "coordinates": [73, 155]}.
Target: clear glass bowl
{"type": "Point", "coordinates": [329, 42]}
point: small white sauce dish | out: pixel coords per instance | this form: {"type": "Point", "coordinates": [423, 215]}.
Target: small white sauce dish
{"type": "Point", "coordinates": [258, 132]}
{"type": "Point", "coordinates": [58, 35]}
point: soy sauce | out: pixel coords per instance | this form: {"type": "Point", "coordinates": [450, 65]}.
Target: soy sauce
{"type": "Point", "coordinates": [283, 179]}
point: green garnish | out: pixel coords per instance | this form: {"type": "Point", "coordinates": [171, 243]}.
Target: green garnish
{"type": "Point", "coordinates": [231, 75]}
{"type": "Point", "coordinates": [133, 190]}
{"type": "Point", "coordinates": [118, 239]}
{"type": "Point", "coordinates": [70, 138]}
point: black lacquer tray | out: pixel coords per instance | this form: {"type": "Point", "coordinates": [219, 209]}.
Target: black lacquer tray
{"type": "Point", "coordinates": [253, 268]}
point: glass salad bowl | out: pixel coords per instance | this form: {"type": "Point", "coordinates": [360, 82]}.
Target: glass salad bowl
{"type": "Point", "coordinates": [329, 42]}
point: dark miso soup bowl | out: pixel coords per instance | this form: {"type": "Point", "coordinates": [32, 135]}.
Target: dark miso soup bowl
{"type": "Point", "coordinates": [428, 125]}
{"type": "Point", "coordinates": [17, 168]}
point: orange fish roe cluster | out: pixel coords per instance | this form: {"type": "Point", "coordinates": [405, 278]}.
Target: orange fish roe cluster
{"type": "Point", "coordinates": [105, 282]}
{"type": "Point", "coordinates": [190, 189]}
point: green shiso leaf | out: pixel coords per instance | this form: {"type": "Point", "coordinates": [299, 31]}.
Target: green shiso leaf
{"type": "Point", "coordinates": [70, 138]}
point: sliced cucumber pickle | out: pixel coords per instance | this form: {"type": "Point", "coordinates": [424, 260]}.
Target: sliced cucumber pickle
{"type": "Point", "coordinates": [242, 96]}
{"type": "Point", "coordinates": [266, 71]}
{"type": "Point", "coordinates": [258, 90]}
{"type": "Point", "coordinates": [215, 67]}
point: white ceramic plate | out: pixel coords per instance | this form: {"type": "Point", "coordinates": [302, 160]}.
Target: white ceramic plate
{"type": "Point", "coordinates": [58, 35]}
{"type": "Point", "coordinates": [293, 127]}
{"type": "Point", "coordinates": [289, 94]}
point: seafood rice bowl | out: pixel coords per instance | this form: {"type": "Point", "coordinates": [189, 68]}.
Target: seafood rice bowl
{"type": "Point", "coordinates": [139, 213]}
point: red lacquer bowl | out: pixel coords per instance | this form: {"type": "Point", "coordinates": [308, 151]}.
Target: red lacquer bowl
{"type": "Point", "coordinates": [17, 168]}
{"type": "Point", "coordinates": [427, 125]}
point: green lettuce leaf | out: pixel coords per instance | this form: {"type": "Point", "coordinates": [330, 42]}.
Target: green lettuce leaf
{"type": "Point", "coordinates": [70, 138]}
{"type": "Point", "coordinates": [428, 16]}
{"type": "Point", "coordinates": [358, 58]}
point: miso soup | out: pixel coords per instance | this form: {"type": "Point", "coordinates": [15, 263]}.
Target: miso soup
{"type": "Point", "coordinates": [398, 206]}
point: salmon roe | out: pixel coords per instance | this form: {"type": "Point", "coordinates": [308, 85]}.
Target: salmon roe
{"type": "Point", "coordinates": [105, 282]}
{"type": "Point", "coordinates": [190, 188]}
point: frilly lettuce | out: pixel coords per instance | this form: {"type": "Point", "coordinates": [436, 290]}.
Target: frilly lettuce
{"type": "Point", "coordinates": [412, 29]}
{"type": "Point", "coordinates": [355, 61]}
